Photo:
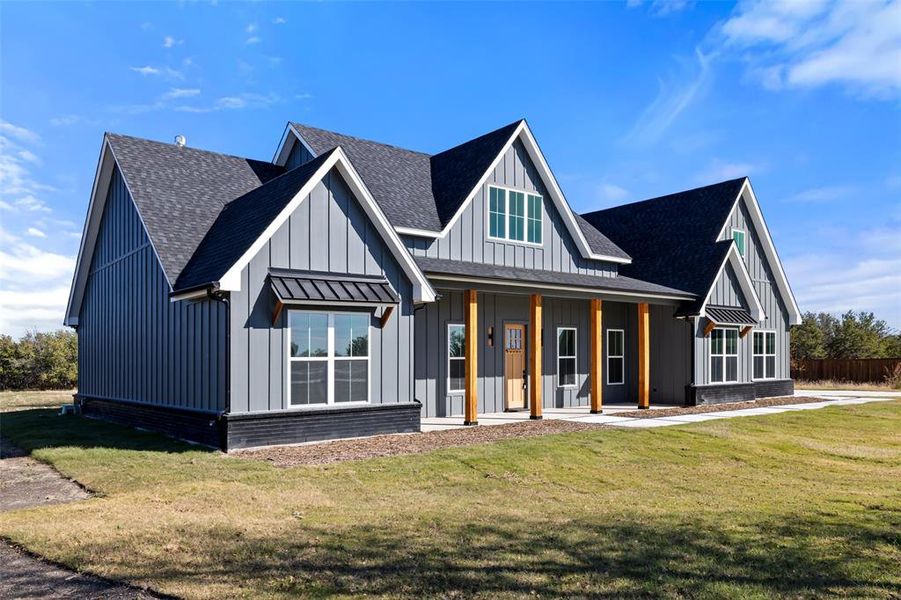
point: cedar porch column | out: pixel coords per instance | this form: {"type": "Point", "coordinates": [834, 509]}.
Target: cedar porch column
{"type": "Point", "coordinates": [471, 353]}
{"type": "Point", "coordinates": [597, 355]}
{"type": "Point", "coordinates": [535, 357]}
{"type": "Point", "coordinates": [644, 356]}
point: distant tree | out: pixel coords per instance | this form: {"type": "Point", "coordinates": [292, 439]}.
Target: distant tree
{"type": "Point", "coordinates": [808, 340]}
{"type": "Point", "coordinates": [858, 335]}
{"type": "Point", "coordinates": [39, 361]}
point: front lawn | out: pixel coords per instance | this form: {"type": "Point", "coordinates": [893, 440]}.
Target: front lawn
{"type": "Point", "coordinates": [802, 504]}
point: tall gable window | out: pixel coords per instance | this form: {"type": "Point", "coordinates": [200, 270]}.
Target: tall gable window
{"type": "Point", "coordinates": [514, 216]}
{"type": "Point", "coordinates": [723, 355]}
{"type": "Point", "coordinates": [739, 236]}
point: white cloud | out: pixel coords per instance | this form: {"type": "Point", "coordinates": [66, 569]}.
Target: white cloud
{"type": "Point", "coordinates": [610, 192]}
{"type": "Point", "coordinates": [279, 20]}
{"type": "Point", "coordinates": [303, 96]}
{"type": "Point", "coordinates": [822, 194]}
{"type": "Point", "coordinates": [29, 156]}
{"type": "Point", "coordinates": [162, 71]}
{"type": "Point", "coordinates": [169, 42]}
{"type": "Point", "coordinates": [719, 170]}
{"type": "Point", "coordinates": [35, 232]}
{"type": "Point", "coordinates": [252, 40]}
{"type": "Point", "coordinates": [20, 133]}
{"type": "Point", "coordinates": [25, 310]}
{"type": "Point", "coordinates": [251, 27]}
{"type": "Point", "coordinates": [181, 93]}
{"type": "Point", "coordinates": [673, 98]}
{"type": "Point", "coordinates": [67, 120]}
{"type": "Point", "coordinates": [241, 101]}
{"type": "Point", "coordinates": [814, 43]}
{"type": "Point", "coordinates": [162, 102]}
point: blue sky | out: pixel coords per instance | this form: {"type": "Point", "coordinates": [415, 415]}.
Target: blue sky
{"type": "Point", "coordinates": [628, 100]}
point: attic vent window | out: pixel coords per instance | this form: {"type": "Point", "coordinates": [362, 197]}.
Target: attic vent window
{"type": "Point", "coordinates": [739, 236]}
{"type": "Point", "coordinates": [514, 216]}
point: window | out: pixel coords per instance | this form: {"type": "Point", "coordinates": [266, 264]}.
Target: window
{"type": "Point", "coordinates": [615, 353]}
{"type": "Point", "coordinates": [566, 356]}
{"type": "Point", "coordinates": [739, 236]}
{"type": "Point", "coordinates": [456, 357]}
{"type": "Point", "coordinates": [497, 212]}
{"type": "Point", "coordinates": [517, 216]}
{"type": "Point", "coordinates": [723, 355]}
{"type": "Point", "coordinates": [533, 228]}
{"type": "Point", "coordinates": [764, 354]}
{"type": "Point", "coordinates": [514, 216]}
{"type": "Point", "coordinates": [328, 362]}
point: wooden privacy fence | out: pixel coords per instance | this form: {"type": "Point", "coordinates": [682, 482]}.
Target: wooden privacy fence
{"type": "Point", "coordinates": [858, 370]}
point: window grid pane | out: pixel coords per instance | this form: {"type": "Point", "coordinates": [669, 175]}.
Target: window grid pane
{"type": "Point", "coordinates": [517, 216]}
{"type": "Point", "coordinates": [497, 212]}
{"type": "Point", "coordinates": [535, 218]}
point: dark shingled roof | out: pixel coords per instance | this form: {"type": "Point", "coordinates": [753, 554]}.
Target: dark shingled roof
{"type": "Point", "coordinates": [420, 191]}
{"type": "Point", "coordinates": [179, 191]}
{"type": "Point", "coordinates": [541, 277]}
{"type": "Point", "coordinates": [241, 222]}
{"type": "Point", "coordinates": [672, 239]}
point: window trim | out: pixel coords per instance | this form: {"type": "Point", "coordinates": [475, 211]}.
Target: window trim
{"type": "Point", "coordinates": [743, 250]}
{"type": "Point", "coordinates": [575, 356]}
{"type": "Point", "coordinates": [711, 356]}
{"type": "Point", "coordinates": [765, 355]}
{"type": "Point", "coordinates": [507, 239]}
{"type": "Point", "coordinates": [619, 356]}
{"type": "Point", "coordinates": [447, 378]}
{"type": "Point", "coordinates": [330, 359]}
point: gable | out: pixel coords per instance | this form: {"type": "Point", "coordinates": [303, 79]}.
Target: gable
{"type": "Point", "coordinates": [726, 291]}
{"type": "Point", "coordinates": [468, 236]}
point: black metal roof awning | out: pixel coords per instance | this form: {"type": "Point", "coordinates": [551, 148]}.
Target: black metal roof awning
{"type": "Point", "coordinates": [729, 315]}
{"type": "Point", "coordinates": [313, 287]}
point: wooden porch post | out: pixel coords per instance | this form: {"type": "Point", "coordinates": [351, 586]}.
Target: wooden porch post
{"type": "Point", "coordinates": [644, 356]}
{"type": "Point", "coordinates": [471, 394]}
{"type": "Point", "coordinates": [597, 355]}
{"type": "Point", "coordinates": [535, 372]}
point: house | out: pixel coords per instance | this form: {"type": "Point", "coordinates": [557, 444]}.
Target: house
{"type": "Point", "coordinates": [348, 288]}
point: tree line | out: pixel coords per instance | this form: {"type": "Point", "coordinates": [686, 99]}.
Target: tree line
{"type": "Point", "coordinates": [852, 335]}
{"type": "Point", "coordinates": [39, 361]}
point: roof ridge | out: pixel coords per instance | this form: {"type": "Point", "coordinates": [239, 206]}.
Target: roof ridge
{"type": "Point", "coordinates": [319, 159]}
{"type": "Point", "coordinates": [478, 137]}
{"type": "Point", "coordinates": [360, 139]}
{"type": "Point", "coordinates": [665, 196]}
{"type": "Point", "coordinates": [188, 148]}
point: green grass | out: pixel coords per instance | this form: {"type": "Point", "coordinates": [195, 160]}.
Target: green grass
{"type": "Point", "coordinates": [803, 504]}
{"type": "Point", "coordinates": [34, 399]}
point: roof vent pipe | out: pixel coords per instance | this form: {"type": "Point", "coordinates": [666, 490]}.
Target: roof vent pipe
{"type": "Point", "coordinates": [180, 141]}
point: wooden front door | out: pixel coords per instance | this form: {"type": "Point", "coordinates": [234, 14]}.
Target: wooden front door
{"type": "Point", "coordinates": [514, 367]}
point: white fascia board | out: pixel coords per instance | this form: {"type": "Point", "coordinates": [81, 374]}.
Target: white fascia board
{"type": "Point", "coordinates": [744, 281]}
{"type": "Point", "coordinates": [96, 205]}
{"type": "Point", "coordinates": [769, 249]}
{"type": "Point", "coordinates": [422, 289]}
{"type": "Point", "coordinates": [289, 138]}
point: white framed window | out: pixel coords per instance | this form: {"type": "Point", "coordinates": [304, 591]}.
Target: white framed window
{"type": "Point", "coordinates": [328, 358]}
{"type": "Point", "coordinates": [515, 216]}
{"type": "Point", "coordinates": [764, 353]}
{"type": "Point", "coordinates": [566, 357]}
{"type": "Point", "coordinates": [739, 236]}
{"type": "Point", "coordinates": [616, 339]}
{"type": "Point", "coordinates": [456, 357]}
{"type": "Point", "coordinates": [724, 355]}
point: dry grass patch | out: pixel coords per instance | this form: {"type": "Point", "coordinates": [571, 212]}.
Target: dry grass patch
{"type": "Point", "coordinates": [21, 400]}
{"type": "Point", "coordinates": [834, 385]}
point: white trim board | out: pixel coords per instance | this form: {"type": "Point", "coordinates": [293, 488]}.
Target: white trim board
{"type": "Point", "coordinates": [422, 289]}
{"type": "Point", "coordinates": [523, 133]}
{"type": "Point", "coordinates": [769, 249]}
{"type": "Point", "coordinates": [744, 281]}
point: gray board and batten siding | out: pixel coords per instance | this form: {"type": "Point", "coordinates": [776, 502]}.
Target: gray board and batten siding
{"type": "Point", "coordinates": [134, 344]}
{"type": "Point", "coordinates": [468, 238]}
{"type": "Point", "coordinates": [329, 231]}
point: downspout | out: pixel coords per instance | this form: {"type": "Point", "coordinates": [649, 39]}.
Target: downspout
{"type": "Point", "coordinates": [224, 299]}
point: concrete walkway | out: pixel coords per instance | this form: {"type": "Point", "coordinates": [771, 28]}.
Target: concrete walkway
{"type": "Point", "coordinates": [609, 416]}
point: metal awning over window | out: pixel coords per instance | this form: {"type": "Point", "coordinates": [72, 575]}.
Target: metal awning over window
{"type": "Point", "coordinates": [728, 315]}
{"type": "Point", "coordinates": [312, 287]}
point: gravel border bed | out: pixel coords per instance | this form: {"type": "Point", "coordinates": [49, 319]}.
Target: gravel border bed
{"type": "Point", "coordinates": [711, 408]}
{"type": "Point", "coordinates": [405, 443]}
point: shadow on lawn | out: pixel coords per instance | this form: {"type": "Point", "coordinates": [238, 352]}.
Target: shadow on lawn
{"type": "Point", "coordinates": [36, 429]}
{"type": "Point", "coordinates": [800, 558]}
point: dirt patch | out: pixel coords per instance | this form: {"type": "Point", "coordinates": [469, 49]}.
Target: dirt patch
{"type": "Point", "coordinates": [25, 482]}
{"type": "Point", "coordinates": [393, 445]}
{"type": "Point", "coordinates": [25, 576]}
{"type": "Point", "coordinates": [711, 408]}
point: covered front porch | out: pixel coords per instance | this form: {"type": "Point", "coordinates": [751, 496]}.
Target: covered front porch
{"type": "Point", "coordinates": [582, 414]}
{"type": "Point", "coordinates": [478, 350]}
